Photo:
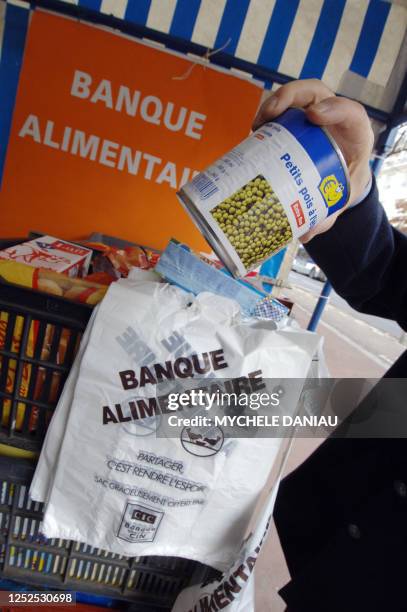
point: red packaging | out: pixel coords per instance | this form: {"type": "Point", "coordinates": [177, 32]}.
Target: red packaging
{"type": "Point", "coordinates": [52, 254]}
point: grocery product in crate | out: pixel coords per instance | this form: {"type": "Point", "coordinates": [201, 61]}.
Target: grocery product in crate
{"type": "Point", "coordinates": [40, 343]}
{"type": "Point", "coordinates": [51, 253]}
{"type": "Point", "coordinates": [118, 486]}
{"type": "Point", "coordinates": [178, 265]}
{"type": "Point", "coordinates": [87, 291]}
{"type": "Point", "coordinates": [39, 335]}
{"type": "Point", "coordinates": [39, 383]}
{"type": "Point", "coordinates": [117, 262]}
{"type": "Point", "coordinates": [276, 185]}
{"type": "Point", "coordinates": [32, 381]}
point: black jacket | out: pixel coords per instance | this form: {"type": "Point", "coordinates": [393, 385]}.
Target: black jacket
{"type": "Point", "coordinates": [342, 515]}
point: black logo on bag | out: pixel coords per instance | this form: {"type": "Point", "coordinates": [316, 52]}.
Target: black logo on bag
{"type": "Point", "coordinates": [200, 442]}
{"type": "Point", "coordinates": [139, 523]}
{"type": "Point", "coordinates": [139, 515]}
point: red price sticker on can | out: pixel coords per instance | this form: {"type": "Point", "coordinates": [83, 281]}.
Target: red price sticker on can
{"type": "Point", "coordinates": [298, 213]}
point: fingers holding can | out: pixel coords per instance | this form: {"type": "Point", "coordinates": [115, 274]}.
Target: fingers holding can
{"type": "Point", "coordinates": [299, 94]}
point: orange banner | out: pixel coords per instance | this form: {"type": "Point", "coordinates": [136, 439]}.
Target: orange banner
{"type": "Point", "coordinates": [105, 129]}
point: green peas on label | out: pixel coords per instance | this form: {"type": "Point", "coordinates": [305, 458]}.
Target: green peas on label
{"type": "Point", "coordinates": [254, 221]}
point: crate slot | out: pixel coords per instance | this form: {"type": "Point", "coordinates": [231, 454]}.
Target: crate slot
{"type": "Point", "coordinates": [24, 502]}
{"type": "Point", "coordinates": [161, 586]}
{"type": "Point", "coordinates": [74, 339]}
{"type": "Point", "coordinates": [44, 363]}
{"type": "Point", "coordinates": [56, 345]}
{"type": "Point", "coordinates": [7, 490]}
{"type": "Point", "coordinates": [29, 402]}
{"type": "Point", "coordinates": [26, 529]}
{"type": "Point", "coordinates": [7, 327]}
{"type": "Point", "coordinates": [4, 522]}
{"type": "Point", "coordinates": [34, 560]}
{"type": "Point", "coordinates": [95, 571]}
{"type": "Point", "coordinates": [86, 549]}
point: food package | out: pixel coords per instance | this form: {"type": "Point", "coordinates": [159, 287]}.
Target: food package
{"type": "Point", "coordinates": [54, 283]}
{"type": "Point", "coordinates": [32, 379]}
{"type": "Point", "coordinates": [29, 388]}
{"type": "Point", "coordinates": [10, 365]}
{"type": "Point", "coordinates": [117, 262]}
{"type": "Point", "coordinates": [51, 253]}
{"type": "Point", "coordinates": [180, 266]}
{"type": "Point", "coordinates": [117, 485]}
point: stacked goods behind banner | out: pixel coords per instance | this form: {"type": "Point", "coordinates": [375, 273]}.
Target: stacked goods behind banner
{"type": "Point", "coordinates": [54, 283]}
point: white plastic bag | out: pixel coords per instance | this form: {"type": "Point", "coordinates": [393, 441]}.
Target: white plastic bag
{"type": "Point", "coordinates": [46, 466]}
{"type": "Point", "coordinates": [118, 488]}
{"type": "Point", "coordinates": [235, 590]}
{"type": "Point", "coordinates": [42, 481]}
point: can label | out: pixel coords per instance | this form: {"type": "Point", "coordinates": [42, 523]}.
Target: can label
{"type": "Point", "coordinates": [265, 192]}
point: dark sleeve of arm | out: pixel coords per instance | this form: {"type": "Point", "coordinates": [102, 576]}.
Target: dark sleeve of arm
{"type": "Point", "coordinates": [365, 259]}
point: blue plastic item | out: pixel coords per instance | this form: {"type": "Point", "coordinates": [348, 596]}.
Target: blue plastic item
{"type": "Point", "coordinates": [271, 268]}
{"type": "Point", "coordinates": [179, 266]}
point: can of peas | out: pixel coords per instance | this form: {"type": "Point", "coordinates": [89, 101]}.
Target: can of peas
{"type": "Point", "coordinates": [275, 186]}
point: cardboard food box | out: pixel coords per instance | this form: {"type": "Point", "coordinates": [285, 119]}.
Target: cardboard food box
{"type": "Point", "coordinates": [52, 254]}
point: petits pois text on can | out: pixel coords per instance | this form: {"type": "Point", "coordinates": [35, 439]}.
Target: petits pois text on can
{"type": "Point", "coordinates": [275, 186]}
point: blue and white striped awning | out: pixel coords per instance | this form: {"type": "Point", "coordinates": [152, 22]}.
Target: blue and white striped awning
{"type": "Point", "coordinates": [354, 46]}
{"type": "Point", "coordinates": [299, 38]}
{"type": "Point", "coordinates": [357, 47]}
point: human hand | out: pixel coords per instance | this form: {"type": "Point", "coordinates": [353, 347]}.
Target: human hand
{"type": "Point", "coordinates": [345, 119]}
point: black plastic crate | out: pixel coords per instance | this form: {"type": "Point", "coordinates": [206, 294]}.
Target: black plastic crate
{"type": "Point", "coordinates": [39, 337]}
{"type": "Point", "coordinates": [150, 583]}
